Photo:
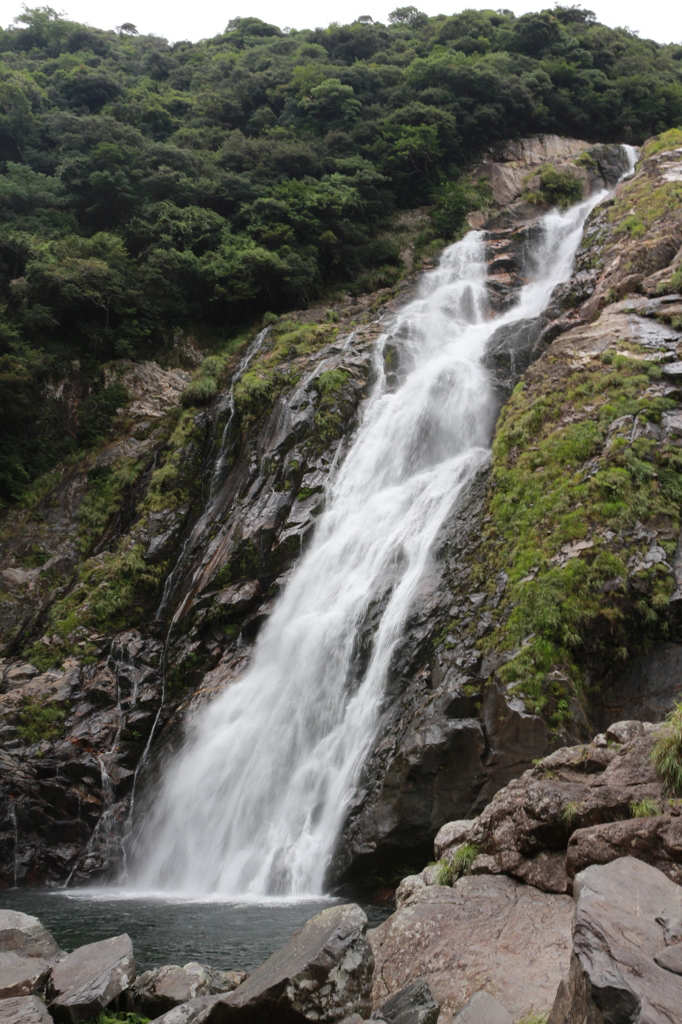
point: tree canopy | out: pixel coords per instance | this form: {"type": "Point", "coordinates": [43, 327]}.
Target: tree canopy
{"type": "Point", "coordinates": [145, 186]}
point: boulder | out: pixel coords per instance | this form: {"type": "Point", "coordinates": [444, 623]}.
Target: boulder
{"type": "Point", "coordinates": [483, 1008]}
{"type": "Point", "coordinates": [155, 992]}
{"type": "Point", "coordinates": [485, 932]}
{"type": "Point", "coordinates": [619, 934]}
{"type": "Point", "coordinates": [412, 1005]}
{"type": "Point", "coordinates": [25, 935]}
{"type": "Point", "coordinates": [22, 976]}
{"type": "Point", "coordinates": [323, 973]}
{"type": "Point", "coordinates": [452, 834]}
{"type": "Point", "coordinates": [623, 732]}
{"type": "Point", "coordinates": [217, 981]}
{"type": "Point", "coordinates": [656, 840]}
{"type": "Point", "coordinates": [91, 978]}
{"type": "Point", "coordinates": [24, 1010]}
{"type": "Point", "coordinates": [186, 1013]}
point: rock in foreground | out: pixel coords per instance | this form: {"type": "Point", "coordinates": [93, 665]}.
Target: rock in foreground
{"type": "Point", "coordinates": [25, 936]}
{"type": "Point", "coordinates": [91, 978]}
{"type": "Point", "coordinates": [484, 933]}
{"type": "Point", "coordinates": [323, 973]}
{"type": "Point", "coordinates": [628, 923]}
{"type": "Point", "coordinates": [24, 1010]}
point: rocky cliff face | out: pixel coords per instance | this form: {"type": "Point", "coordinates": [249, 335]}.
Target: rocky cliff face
{"type": "Point", "coordinates": [135, 581]}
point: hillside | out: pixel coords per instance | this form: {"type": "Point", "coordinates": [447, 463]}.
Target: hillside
{"type": "Point", "coordinates": [157, 200]}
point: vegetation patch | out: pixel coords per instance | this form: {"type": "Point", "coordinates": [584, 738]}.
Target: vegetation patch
{"type": "Point", "coordinates": [667, 753]}
{"type": "Point", "coordinates": [575, 474]}
{"type": "Point", "coordinates": [460, 863]}
{"type": "Point", "coordinates": [275, 368]}
{"type": "Point", "coordinates": [645, 808]}
{"type": "Point", "coordinates": [556, 188]}
{"type": "Point", "coordinates": [39, 721]}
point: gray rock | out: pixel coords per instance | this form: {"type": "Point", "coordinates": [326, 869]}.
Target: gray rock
{"type": "Point", "coordinates": [672, 928]}
{"type": "Point", "coordinates": [487, 931]}
{"type": "Point", "coordinates": [22, 976]}
{"type": "Point", "coordinates": [656, 840]}
{"type": "Point", "coordinates": [648, 689]}
{"type": "Point", "coordinates": [623, 732]}
{"type": "Point", "coordinates": [412, 1005]}
{"type": "Point", "coordinates": [90, 978]}
{"type": "Point", "coordinates": [323, 973]}
{"type": "Point", "coordinates": [24, 1010]}
{"type": "Point", "coordinates": [451, 834]}
{"type": "Point", "coordinates": [614, 974]}
{"type": "Point", "coordinates": [186, 1013]}
{"type": "Point", "coordinates": [483, 1008]}
{"type": "Point", "coordinates": [155, 992]}
{"type": "Point", "coordinates": [217, 981]}
{"type": "Point", "coordinates": [25, 935]}
{"type": "Point", "coordinates": [670, 959]}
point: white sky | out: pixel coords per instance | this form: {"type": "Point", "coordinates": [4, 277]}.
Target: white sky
{"type": "Point", "coordinates": [652, 19]}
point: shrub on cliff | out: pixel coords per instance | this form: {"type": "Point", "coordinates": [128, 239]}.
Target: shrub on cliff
{"type": "Point", "coordinates": [667, 753]}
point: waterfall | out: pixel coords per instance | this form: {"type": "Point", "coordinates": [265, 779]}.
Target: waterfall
{"type": "Point", "coordinates": [254, 801]}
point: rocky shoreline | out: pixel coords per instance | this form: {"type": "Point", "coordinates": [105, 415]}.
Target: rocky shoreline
{"type": "Point", "coordinates": [560, 902]}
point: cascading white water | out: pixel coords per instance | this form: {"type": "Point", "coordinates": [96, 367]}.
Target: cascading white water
{"type": "Point", "coordinates": [255, 799]}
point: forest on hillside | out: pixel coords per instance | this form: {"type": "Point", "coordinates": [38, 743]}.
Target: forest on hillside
{"type": "Point", "coordinates": [147, 188]}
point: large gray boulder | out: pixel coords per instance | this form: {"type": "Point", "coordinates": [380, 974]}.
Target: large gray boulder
{"type": "Point", "coordinates": [90, 979]}
{"type": "Point", "coordinates": [485, 932]}
{"type": "Point", "coordinates": [22, 975]}
{"type": "Point", "coordinates": [626, 913]}
{"type": "Point", "coordinates": [24, 1010]}
{"type": "Point", "coordinates": [25, 935]}
{"type": "Point", "coordinates": [323, 973]}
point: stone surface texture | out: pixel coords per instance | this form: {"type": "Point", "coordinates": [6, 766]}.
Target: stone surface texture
{"type": "Point", "coordinates": [24, 1010]}
{"type": "Point", "coordinates": [411, 1005]}
{"type": "Point", "coordinates": [621, 910]}
{"type": "Point", "coordinates": [26, 936]}
{"type": "Point", "coordinates": [489, 933]}
{"type": "Point", "coordinates": [89, 979]}
{"type": "Point", "coordinates": [22, 976]}
{"type": "Point", "coordinates": [482, 1008]}
{"type": "Point", "coordinates": [323, 973]}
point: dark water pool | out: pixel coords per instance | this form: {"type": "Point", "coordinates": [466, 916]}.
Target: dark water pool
{"type": "Point", "coordinates": [172, 931]}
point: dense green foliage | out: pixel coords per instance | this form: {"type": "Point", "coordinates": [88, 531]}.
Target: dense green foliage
{"type": "Point", "coordinates": [148, 187]}
{"type": "Point", "coordinates": [667, 754]}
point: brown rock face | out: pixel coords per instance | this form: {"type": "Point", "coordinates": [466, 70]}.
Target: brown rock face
{"type": "Point", "coordinates": [618, 942]}
{"type": "Point", "coordinates": [487, 933]}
